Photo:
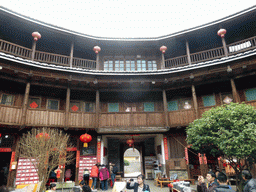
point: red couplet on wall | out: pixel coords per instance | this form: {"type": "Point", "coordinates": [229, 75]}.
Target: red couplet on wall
{"type": "Point", "coordinates": [186, 155]}
{"type": "Point", "coordinates": [166, 149]}
{"type": "Point", "coordinates": [12, 160]}
{"type": "Point", "coordinates": [77, 158]}
{"type": "Point", "coordinates": [98, 151]}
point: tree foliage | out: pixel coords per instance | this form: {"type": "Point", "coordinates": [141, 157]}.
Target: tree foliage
{"type": "Point", "coordinates": [47, 152]}
{"type": "Point", "coordinates": [228, 131]}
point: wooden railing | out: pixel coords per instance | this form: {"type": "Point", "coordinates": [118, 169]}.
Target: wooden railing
{"type": "Point", "coordinates": [14, 49]}
{"type": "Point", "coordinates": [252, 103]}
{"type": "Point", "coordinates": [23, 52]}
{"type": "Point", "coordinates": [80, 119]}
{"type": "Point", "coordinates": [203, 109]}
{"type": "Point", "coordinates": [137, 119]}
{"type": "Point", "coordinates": [176, 62]}
{"type": "Point", "coordinates": [181, 117]}
{"type": "Point", "coordinates": [10, 115]}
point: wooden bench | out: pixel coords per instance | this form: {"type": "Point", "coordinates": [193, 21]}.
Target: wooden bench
{"type": "Point", "coordinates": [162, 182]}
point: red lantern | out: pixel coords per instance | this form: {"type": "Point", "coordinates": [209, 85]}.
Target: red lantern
{"type": "Point", "coordinates": [0, 134]}
{"type": "Point", "coordinates": [130, 142]}
{"type": "Point", "coordinates": [44, 136]}
{"type": "Point", "coordinates": [85, 138]}
{"type": "Point", "coordinates": [163, 49]}
{"type": "Point", "coordinates": [36, 35]}
{"type": "Point", "coordinates": [222, 32]}
{"type": "Point", "coordinates": [97, 49]}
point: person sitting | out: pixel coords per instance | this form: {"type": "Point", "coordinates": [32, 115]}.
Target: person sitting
{"type": "Point", "coordinates": [201, 187]}
{"type": "Point", "coordinates": [138, 186]}
{"type": "Point", "coordinates": [223, 187]}
{"type": "Point", "coordinates": [250, 183]}
{"type": "Point", "coordinates": [52, 187]}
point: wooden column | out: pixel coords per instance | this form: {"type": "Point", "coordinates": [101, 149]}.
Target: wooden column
{"type": "Point", "coordinates": [163, 62]}
{"type": "Point", "coordinates": [97, 109]}
{"type": "Point", "coordinates": [165, 109]}
{"type": "Point", "coordinates": [77, 168]}
{"type": "Point", "coordinates": [195, 101]}
{"type": "Point", "coordinates": [224, 46]}
{"type": "Point", "coordinates": [97, 61]}
{"type": "Point", "coordinates": [188, 53]}
{"type": "Point", "coordinates": [71, 54]}
{"type": "Point", "coordinates": [67, 107]}
{"type": "Point", "coordinates": [33, 50]}
{"type": "Point", "coordinates": [25, 104]}
{"type": "Point", "coordinates": [234, 91]}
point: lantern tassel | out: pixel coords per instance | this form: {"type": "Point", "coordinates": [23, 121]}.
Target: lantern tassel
{"type": "Point", "coordinates": [85, 145]}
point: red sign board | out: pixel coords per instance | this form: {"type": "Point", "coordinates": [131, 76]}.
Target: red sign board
{"type": "Point", "coordinates": [98, 151]}
{"type": "Point", "coordinates": [166, 149]}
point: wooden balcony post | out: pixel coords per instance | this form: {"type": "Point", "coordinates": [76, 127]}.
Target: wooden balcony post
{"type": "Point", "coordinates": [188, 53]}
{"type": "Point", "coordinates": [67, 107]}
{"type": "Point", "coordinates": [195, 101]}
{"type": "Point", "coordinates": [234, 91]}
{"type": "Point", "coordinates": [97, 61]}
{"type": "Point", "coordinates": [163, 62]}
{"type": "Point", "coordinates": [224, 46]}
{"type": "Point", "coordinates": [25, 104]}
{"type": "Point", "coordinates": [165, 109]}
{"type": "Point", "coordinates": [33, 50]}
{"type": "Point", "coordinates": [97, 109]}
{"type": "Point", "coordinates": [71, 54]}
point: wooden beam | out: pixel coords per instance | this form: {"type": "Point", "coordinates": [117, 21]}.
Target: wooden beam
{"type": "Point", "coordinates": [97, 106]}
{"type": "Point", "coordinates": [71, 54]}
{"type": "Point", "coordinates": [188, 53]}
{"type": "Point", "coordinates": [234, 91]}
{"type": "Point", "coordinates": [165, 109]}
{"type": "Point", "coordinates": [67, 107]}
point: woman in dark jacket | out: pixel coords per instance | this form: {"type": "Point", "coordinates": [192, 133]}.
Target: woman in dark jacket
{"type": "Point", "coordinates": [139, 186]}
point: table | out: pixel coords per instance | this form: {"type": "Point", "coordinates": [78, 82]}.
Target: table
{"type": "Point", "coordinates": [119, 186]}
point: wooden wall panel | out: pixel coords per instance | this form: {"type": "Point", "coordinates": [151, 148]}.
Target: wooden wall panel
{"type": "Point", "coordinates": [203, 109]}
{"type": "Point", "coordinates": [10, 115]}
{"type": "Point", "coordinates": [181, 117]}
{"type": "Point", "coordinates": [252, 103]}
{"type": "Point", "coordinates": [139, 119]}
{"type": "Point", "coordinates": [82, 120]}
{"type": "Point", "coordinates": [56, 118]}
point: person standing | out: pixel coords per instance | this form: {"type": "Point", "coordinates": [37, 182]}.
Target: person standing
{"type": "Point", "coordinates": [113, 171]}
{"type": "Point", "coordinates": [138, 186]}
{"type": "Point", "coordinates": [223, 187]}
{"type": "Point", "coordinates": [86, 176]}
{"type": "Point", "coordinates": [94, 175]}
{"type": "Point", "coordinates": [104, 176]}
{"type": "Point", "coordinates": [250, 183]}
{"type": "Point", "coordinates": [211, 178]}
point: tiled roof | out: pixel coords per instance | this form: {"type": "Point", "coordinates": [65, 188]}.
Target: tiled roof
{"type": "Point", "coordinates": [127, 73]}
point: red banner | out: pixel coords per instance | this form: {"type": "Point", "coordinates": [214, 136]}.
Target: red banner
{"type": "Point", "coordinates": [5, 150]}
{"type": "Point", "coordinates": [166, 149]}
{"type": "Point", "coordinates": [98, 151]}
{"type": "Point", "coordinates": [200, 159]}
{"type": "Point", "coordinates": [12, 159]}
{"type": "Point", "coordinates": [186, 155]}
{"type": "Point", "coordinates": [77, 158]}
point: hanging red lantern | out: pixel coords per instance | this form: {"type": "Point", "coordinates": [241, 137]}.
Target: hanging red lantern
{"type": "Point", "coordinates": [0, 134]}
{"type": "Point", "coordinates": [85, 138]}
{"type": "Point", "coordinates": [44, 136]}
{"type": "Point", "coordinates": [36, 35]}
{"type": "Point", "coordinates": [163, 49]}
{"type": "Point", "coordinates": [222, 33]}
{"type": "Point", "coordinates": [130, 142]}
{"type": "Point", "coordinates": [96, 49]}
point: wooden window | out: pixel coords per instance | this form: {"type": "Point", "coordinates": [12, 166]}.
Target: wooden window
{"type": "Point", "coordinates": [149, 107]}
{"type": "Point", "coordinates": [130, 65]}
{"type": "Point", "coordinates": [108, 65]}
{"type": "Point", "coordinates": [52, 104]}
{"type": "Point", "coordinates": [173, 105]}
{"type": "Point", "coordinates": [209, 100]}
{"type": "Point", "coordinates": [250, 94]}
{"type": "Point", "coordinates": [141, 65]}
{"type": "Point", "coordinates": [89, 107]}
{"type": "Point", "coordinates": [113, 107]}
{"type": "Point", "coordinates": [34, 102]}
{"type": "Point", "coordinates": [7, 99]}
{"type": "Point", "coordinates": [152, 65]}
{"type": "Point", "coordinates": [119, 65]}
{"type": "Point", "coordinates": [75, 106]}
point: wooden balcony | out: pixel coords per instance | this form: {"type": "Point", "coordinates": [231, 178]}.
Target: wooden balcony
{"type": "Point", "coordinates": [42, 117]}
{"type": "Point", "coordinates": [181, 117]}
{"type": "Point", "coordinates": [252, 103]}
{"type": "Point", "coordinates": [136, 119]}
{"type": "Point", "coordinates": [10, 115]}
{"type": "Point", "coordinates": [203, 109]}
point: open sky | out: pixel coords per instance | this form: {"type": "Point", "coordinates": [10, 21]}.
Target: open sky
{"type": "Point", "coordinates": [127, 18]}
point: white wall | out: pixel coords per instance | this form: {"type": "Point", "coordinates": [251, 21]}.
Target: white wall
{"type": "Point", "coordinates": [159, 141]}
{"type": "Point", "coordinates": [104, 143]}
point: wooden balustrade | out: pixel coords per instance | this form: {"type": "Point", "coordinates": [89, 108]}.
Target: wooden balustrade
{"type": "Point", "coordinates": [181, 117]}
{"type": "Point", "coordinates": [176, 62]}
{"type": "Point", "coordinates": [14, 49]}
{"type": "Point", "coordinates": [207, 55]}
{"type": "Point", "coordinates": [137, 119]}
{"type": "Point", "coordinates": [82, 119]}
{"type": "Point", "coordinates": [203, 109]}
{"type": "Point", "coordinates": [52, 58]}
{"type": "Point", "coordinates": [10, 115]}
{"type": "Point", "coordinates": [252, 103]}
{"type": "Point", "coordinates": [242, 46]}
{"type": "Point", "coordinates": [84, 63]}
{"type": "Point", "coordinates": [45, 118]}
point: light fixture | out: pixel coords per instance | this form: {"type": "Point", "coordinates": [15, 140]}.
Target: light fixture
{"type": "Point", "coordinates": [6, 136]}
{"type": "Point", "coordinates": [187, 105]}
{"type": "Point", "coordinates": [1, 67]}
{"type": "Point", "coordinates": [227, 100]}
{"type": "Point", "coordinates": [229, 70]}
{"type": "Point", "coordinates": [153, 82]}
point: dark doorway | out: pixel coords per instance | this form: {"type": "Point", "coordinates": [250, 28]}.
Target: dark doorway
{"type": "Point", "coordinates": [4, 167]}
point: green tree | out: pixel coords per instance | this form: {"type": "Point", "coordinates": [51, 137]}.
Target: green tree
{"type": "Point", "coordinates": [228, 131]}
{"type": "Point", "coordinates": [126, 163]}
